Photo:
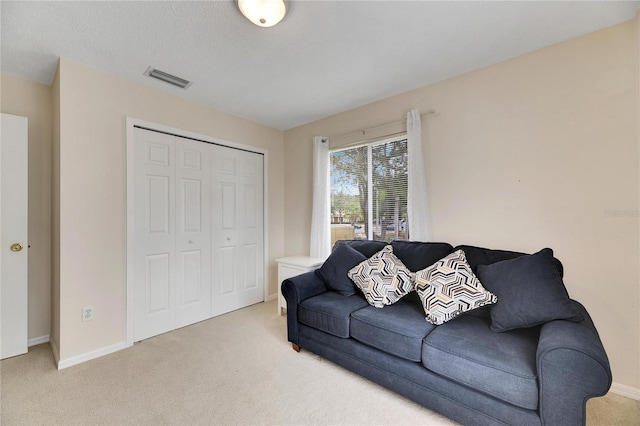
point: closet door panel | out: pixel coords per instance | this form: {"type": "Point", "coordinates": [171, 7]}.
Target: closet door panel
{"type": "Point", "coordinates": [228, 206]}
{"type": "Point", "coordinates": [250, 267]}
{"type": "Point", "coordinates": [157, 285]}
{"type": "Point", "coordinates": [251, 229]}
{"type": "Point", "coordinates": [193, 235]}
{"type": "Point", "coordinates": [191, 277]}
{"type": "Point", "coordinates": [237, 229]}
{"type": "Point", "coordinates": [226, 271]}
{"type": "Point", "coordinates": [154, 229]}
{"type": "Point", "coordinates": [224, 227]}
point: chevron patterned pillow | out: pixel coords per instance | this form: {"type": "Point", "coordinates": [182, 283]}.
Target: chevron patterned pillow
{"type": "Point", "coordinates": [383, 278]}
{"type": "Point", "coordinates": [449, 287]}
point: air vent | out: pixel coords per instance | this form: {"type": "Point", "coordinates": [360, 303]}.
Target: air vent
{"type": "Point", "coordinates": [168, 78]}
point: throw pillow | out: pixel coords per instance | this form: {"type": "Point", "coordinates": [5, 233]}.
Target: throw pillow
{"type": "Point", "coordinates": [382, 278]}
{"type": "Point", "coordinates": [530, 292]}
{"type": "Point", "coordinates": [449, 288]}
{"type": "Point", "coordinates": [334, 270]}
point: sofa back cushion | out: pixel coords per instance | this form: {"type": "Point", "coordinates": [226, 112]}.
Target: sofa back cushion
{"type": "Point", "coordinates": [366, 247]}
{"type": "Point", "coordinates": [417, 255]}
{"type": "Point", "coordinates": [483, 256]}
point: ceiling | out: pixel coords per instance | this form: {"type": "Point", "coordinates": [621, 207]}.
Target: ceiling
{"type": "Point", "coordinates": [325, 57]}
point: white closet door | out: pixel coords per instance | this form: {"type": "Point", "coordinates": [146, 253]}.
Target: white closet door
{"type": "Point", "coordinates": [237, 229]}
{"type": "Point", "coordinates": [252, 229]}
{"type": "Point", "coordinates": [154, 229]}
{"type": "Point", "coordinates": [198, 231]}
{"type": "Point", "coordinates": [193, 231]}
{"type": "Point", "coordinates": [14, 253]}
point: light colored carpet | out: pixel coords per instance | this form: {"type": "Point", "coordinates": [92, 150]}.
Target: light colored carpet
{"type": "Point", "coordinates": [234, 369]}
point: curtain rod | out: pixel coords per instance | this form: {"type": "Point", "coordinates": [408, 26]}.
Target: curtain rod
{"type": "Point", "coordinates": [363, 132]}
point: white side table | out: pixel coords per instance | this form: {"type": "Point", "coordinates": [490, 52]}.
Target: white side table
{"type": "Point", "coordinates": [290, 267]}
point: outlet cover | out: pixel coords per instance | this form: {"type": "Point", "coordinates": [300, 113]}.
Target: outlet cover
{"type": "Point", "coordinates": [87, 313]}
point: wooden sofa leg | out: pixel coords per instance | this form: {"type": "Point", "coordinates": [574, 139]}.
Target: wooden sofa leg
{"type": "Point", "coordinates": [295, 347]}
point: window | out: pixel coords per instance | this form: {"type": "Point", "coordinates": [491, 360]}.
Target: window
{"type": "Point", "coordinates": [368, 185]}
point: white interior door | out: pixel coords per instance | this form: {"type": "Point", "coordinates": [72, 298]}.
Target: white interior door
{"type": "Point", "coordinates": [13, 236]}
{"type": "Point", "coordinates": [193, 231]}
{"type": "Point", "coordinates": [237, 229]}
{"type": "Point", "coordinates": [154, 228]}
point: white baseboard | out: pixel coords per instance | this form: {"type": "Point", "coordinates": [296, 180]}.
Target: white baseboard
{"type": "Point", "coordinates": [38, 340]}
{"type": "Point", "coordinates": [79, 359]}
{"type": "Point", "coordinates": [271, 297]}
{"type": "Point", "coordinates": [624, 390]}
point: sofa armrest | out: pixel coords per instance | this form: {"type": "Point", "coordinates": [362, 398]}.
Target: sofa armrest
{"type": "Point", "coordinates": [572, 367]}
{"type": "Point", "coordinates": [295, 290]}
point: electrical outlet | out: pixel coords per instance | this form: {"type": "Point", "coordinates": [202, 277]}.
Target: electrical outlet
{"type": "Point", "coordinates": [87, 313]}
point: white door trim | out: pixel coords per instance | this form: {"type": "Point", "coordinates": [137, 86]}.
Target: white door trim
{"type": "Point", "coordinates": [132, 122]}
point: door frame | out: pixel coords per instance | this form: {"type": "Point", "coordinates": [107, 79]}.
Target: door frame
{"type": "Point", "coordinates": [131, 123]}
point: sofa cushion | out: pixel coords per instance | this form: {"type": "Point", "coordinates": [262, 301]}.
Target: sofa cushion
{"type": "Point", "coordinates": [502, 365]}
{"type": "Point", "coordinates": [449, 288]}
{"type": "Point", "coordinates": [334, 270]}
{"type": "Point", "coordinates": [417, 255]}
{"type": "Point", "coordinates": [477, 256]}
{"type": "Point", "coordinates": [366, 247]}
{"type": "Point", "coordinates": [397, 329]}
{"type": "Point", "coordinates": [530, 292]}
{"type": "Point", "coordinates": [483, 256]}
{"type": "Point", "coordinates": [383, 278]}
{"type": "Point", "coordinates": [330, 312]}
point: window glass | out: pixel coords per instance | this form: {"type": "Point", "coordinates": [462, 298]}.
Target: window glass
{"type": "Point", "coordinates": [369, 192]}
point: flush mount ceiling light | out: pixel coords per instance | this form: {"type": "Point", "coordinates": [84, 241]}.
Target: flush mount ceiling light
{"type": "Point", "coordinates": [264, 13]}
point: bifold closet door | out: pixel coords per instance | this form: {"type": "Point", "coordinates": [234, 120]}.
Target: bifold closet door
{"type": "Point", "coordinates": [237, 229]}
{"type": "Point", "coordinates": [171, 233]}
{"type": "Point", "coordinates": [193, 231]}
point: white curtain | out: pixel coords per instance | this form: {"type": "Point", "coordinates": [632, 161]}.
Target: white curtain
{"type": "Point", "coordinates": [417, 206]}
{"type": "Point", "coordinates": [320, 215]}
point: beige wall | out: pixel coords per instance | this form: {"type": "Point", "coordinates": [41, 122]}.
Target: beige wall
{"type": "Point", "coordinates": [537, 151]}
{"type": "Point", "coordinates": [93, 108]}
{"type": "Point", "coordinates": [33, 100]}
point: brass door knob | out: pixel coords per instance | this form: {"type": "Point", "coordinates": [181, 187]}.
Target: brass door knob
{"type": "Point", "coordinates": [16, 247]}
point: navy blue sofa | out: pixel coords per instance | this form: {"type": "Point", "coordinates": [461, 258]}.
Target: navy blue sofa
{"type": "Point", "coordinates": [461, 369]}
